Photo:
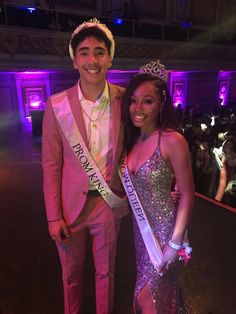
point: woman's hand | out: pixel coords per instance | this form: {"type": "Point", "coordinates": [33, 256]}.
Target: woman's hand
{"type": "Point", "coordinates": [170, 255]}
{"type": "Point", "coordinates": [175, 196]}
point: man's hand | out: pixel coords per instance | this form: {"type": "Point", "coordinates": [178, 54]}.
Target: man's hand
{"type": "Point", "coordinates": [175, 195]}
{"type": "Point", "coordinates": [58, 230]}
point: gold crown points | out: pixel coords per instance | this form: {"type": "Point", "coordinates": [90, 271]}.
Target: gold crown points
{"type": "Point", "coordinates": [102, 27]}
{"type": "Point", "coordinates": [90, 23]}
{"type": "Point", "coordinates": [156, 69]}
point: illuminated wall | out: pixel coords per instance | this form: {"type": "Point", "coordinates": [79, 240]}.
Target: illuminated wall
{"type": "Point", "coordinates": [178, 88]}
{"type": "Point", "coordinates": [223, 87]}
{"type": "Point", "coordinates": [24, 94]}
{"type": "Point", "coordinates": [32, 90]}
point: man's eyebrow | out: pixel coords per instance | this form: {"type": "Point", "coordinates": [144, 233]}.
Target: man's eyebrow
{"type": "Point", "coordinates": [83, 48]}
{"type": "Point", "coordinates": [87, 48]}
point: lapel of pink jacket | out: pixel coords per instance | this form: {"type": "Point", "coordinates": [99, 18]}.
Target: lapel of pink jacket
{"type": "Point", "coordinates": [115, 95]}
{"type": "Point", "coordinates": [117, 132]}
{"type": "Point", "coordinates": [76, 109]}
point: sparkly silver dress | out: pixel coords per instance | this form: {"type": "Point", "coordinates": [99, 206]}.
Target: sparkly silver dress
{"type": "Point", "coordinates": [153, 184]}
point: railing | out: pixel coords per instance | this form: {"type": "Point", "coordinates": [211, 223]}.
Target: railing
{"type": "Point", "coordinates": [61, 20]}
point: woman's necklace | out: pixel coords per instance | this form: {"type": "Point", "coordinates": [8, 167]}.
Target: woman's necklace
{"type": "Point", "coordinates": [100, 114]}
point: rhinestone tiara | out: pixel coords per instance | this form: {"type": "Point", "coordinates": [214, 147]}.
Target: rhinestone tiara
{"type": "Point", "coordinates": [102, 27]}
{"type": "Point", "coordinates": [155, 68]}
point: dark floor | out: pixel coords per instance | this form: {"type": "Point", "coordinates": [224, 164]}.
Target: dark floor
{"type": "Point", "coordinates": [29, 268]}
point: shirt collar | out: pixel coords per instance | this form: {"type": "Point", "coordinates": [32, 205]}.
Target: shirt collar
{"type": "Point", "coordinates": [104, 96]}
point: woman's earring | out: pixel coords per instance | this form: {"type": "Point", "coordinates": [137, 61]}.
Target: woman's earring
{"type": "Point", "coordinates": [164, 94]}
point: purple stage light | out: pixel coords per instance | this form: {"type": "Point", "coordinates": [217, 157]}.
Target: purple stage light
{"type": "Point", "coordinates": [178, 88]}
{"type": "Point", "coordinates": [35, 101]}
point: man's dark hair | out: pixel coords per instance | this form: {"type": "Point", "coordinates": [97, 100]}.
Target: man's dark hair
{"type": "Point", "coordinates": [86, 32]}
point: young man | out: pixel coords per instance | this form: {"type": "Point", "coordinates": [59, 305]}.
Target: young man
{"type": "Point", "coordinates": [82, 142]}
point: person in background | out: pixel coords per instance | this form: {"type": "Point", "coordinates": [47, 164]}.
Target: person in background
{"type": "Point", "coordinates": [81, 145]}
{"type": "Point", "coordinates": [156, 153]}
{"type": "Point", "coordinates": [226, 191]}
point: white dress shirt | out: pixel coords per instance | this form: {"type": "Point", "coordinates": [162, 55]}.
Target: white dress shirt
{"type": "Point", "coordinates": [97, 119]}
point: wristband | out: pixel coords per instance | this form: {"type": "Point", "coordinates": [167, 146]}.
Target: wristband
{"type": "Point", "coordinates": [174, 246]}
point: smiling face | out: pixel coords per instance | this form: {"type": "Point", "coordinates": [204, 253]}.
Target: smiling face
{"type": "Point", "coordinates": [145, 107]}
{"type": "Point", "coordinates": [92, 60]}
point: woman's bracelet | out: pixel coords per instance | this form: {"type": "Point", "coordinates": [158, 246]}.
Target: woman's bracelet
{"type": "Point", "coordinates": [174, 246]}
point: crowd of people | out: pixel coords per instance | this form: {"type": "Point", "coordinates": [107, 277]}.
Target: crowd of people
{"type": "Point", "coordinates": [212, 141]}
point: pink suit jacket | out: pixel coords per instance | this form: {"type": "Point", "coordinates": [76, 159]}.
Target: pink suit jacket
{"type": "Point", "coordinates": [65, 183]}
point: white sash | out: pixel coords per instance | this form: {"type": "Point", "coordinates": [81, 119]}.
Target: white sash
{"type": "Point", "coordinates": [62, 110]}
{"type": "Point", "coordinates": [152, 245]}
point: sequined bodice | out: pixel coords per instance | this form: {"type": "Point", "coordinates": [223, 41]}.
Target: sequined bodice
{"type": "Point", "coordinates": [153, 183]}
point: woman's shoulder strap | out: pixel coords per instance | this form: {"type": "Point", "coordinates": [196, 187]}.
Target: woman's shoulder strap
{"type": "Point", "coordinates": [159, 139]}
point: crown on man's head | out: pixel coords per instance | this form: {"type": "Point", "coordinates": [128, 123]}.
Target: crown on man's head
{"type": "Point", "coordinates": [91, 23]}
{"type": "Point", "coordinates": [156, 69]}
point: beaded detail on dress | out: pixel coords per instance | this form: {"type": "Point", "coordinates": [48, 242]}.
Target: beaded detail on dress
{"type": "Point", "coordinates": [153, 184]}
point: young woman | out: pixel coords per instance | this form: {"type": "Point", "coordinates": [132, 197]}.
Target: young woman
{"type": "Point", "coordinates": [157, 153]}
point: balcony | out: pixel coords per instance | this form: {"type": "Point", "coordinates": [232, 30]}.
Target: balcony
{"type": "Point", "coordinates": [38, 38]}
